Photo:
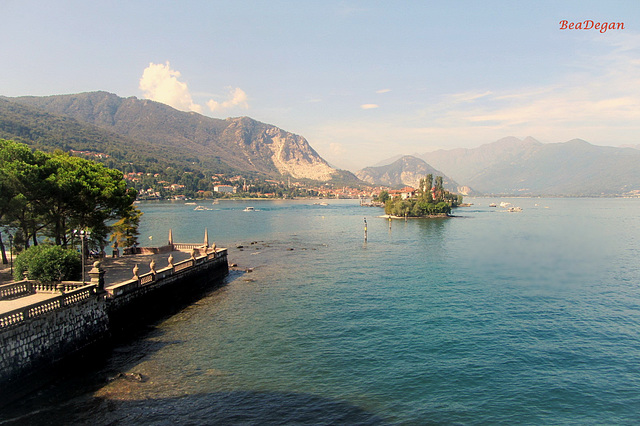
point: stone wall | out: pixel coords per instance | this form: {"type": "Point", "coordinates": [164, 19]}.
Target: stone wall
{"type": "Point", "coordinates": [153, 294]}
{"type": "Point", "coordinates": [38, 335]}
{"type": "Point", "coordinates": [47, 338]}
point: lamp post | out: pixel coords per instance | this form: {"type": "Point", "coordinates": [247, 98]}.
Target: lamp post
{"type": "Point", "coordinates": [83, 234]}
{"type": "Point", "coordinates": [11, 252]}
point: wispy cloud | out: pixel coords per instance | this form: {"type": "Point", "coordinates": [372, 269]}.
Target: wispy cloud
{"type": "Point", "coordinates": [369, 106]}
{"type": "Point", "coordinates": [596, 99]}
{"type": "Point", "coordinates": [383, 91]}
{"type": "Point", "coordinates": [160, 83]}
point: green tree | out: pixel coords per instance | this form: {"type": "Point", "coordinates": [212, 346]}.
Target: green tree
{"type": "Point", "coordinates": [383, 196]}
{"type": "Point", "coordinates": [55, 193]}
{"type": "Point", "coordinates": [84, 194]}
{"type": "Point", "coordinates": [125, 231]}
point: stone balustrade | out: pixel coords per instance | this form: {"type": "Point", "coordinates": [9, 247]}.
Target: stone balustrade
{"type": "Point", "coordinates": [23, 313]}
{"type": "Point", "coordinates": [17, 289]}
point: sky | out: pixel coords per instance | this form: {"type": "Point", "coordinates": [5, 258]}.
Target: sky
{"type": "Point", "coordinates": [362, 81]}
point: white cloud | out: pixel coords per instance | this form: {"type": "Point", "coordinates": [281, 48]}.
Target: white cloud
{"type": "Point", "coordinates": [237, 98]}
{"type": "Point", "coordinates": [160, 83]}
{"type": "Point", "coordinates": [383, 91]}
{"type": "Point", "coordinates": [369, 106]}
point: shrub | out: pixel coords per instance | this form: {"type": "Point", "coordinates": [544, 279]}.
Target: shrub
{"type": "Point", "coordinates": [48, 264]}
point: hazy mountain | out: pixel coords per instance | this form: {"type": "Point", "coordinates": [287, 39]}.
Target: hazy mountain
{"type": "Point", "coordinates": [631, 146]}
{"type": "Point", "coordinates": [464, 164]}
{"type": "Point", "coordinates": [406, 171]}
{"type": "Point", "coordinates": [240, 143]}
{"type": "Point", "coordinates": [528, 167]}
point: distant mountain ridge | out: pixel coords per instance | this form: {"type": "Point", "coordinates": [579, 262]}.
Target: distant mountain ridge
{"type": "Point", "coordinates": [240, 143]}
{"type": "Point", "coordinates": [512, 166]}
{"type": "Point", "coordinates": [405, 171]}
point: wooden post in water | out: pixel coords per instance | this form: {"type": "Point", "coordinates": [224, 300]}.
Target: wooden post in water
{"type": "Point", "coordinates": [365, 229]}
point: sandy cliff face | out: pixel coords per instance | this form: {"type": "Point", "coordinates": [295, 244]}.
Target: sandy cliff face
{"type": "Point", "coordinates": [289, 154]}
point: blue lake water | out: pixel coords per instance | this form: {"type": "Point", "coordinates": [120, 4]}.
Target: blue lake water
{"type": "Point", "coordinates": [486, 318]}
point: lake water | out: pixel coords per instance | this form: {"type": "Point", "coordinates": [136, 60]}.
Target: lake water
{"type": "Point", "coordinates": [486, 318]}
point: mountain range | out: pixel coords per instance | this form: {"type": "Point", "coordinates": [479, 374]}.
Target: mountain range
{"type": "Point", "coordinates": [241, 144]}
{"type": "Point", "coordinates": [512, 166]}
{"type": "Point", "coordinates": [151, 136]}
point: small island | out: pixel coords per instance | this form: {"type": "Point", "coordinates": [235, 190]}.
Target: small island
{"type": "Point", "coordinates": [429, 200]}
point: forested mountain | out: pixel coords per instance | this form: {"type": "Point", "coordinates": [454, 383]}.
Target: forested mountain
{"type": "Point", "coordinates": [406, 171]}
{"type": "Point", "coordinates": [158, 130]}
{"type": "Point", "coordinates": [528, 167]}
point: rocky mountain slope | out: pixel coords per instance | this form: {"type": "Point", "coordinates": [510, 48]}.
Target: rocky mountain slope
{"type": "Point", "coordinates": [240, 143]}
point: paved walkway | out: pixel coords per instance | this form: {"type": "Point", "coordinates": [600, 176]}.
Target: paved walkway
{"type": "Point", "coordinates": [119, 269]}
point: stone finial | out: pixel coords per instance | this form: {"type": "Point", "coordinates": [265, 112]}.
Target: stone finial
{"type": "Point", "coordinates": [152, 266]}
{"type": "Point", "coordinates": [170, 237]}
{"type": "Point", "coordinates": [206, 238]}
{"type": "Point", "coordinates": [213, 247]}
{"type": "Point", "coordinates": [170, 260]}
{"type": "Point", "coordinates": [193, 253]}
{"type": "Point", "coordinates": [97, 276]}
{"type": "Point", "coordinates": [135, 272]}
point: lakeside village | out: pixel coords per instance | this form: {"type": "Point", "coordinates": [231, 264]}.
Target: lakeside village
{"type": "Point", "coordinates": [152, 187]}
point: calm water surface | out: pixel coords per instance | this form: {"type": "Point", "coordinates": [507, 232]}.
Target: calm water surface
{"type": "Point", "coordinates": [486, 318]}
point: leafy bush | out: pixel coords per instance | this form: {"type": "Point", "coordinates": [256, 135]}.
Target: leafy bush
{"type": "Point", "coordinates": [48, 264]}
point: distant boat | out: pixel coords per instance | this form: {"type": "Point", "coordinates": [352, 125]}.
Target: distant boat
{"type": "Point", "coordinates": [201, 208]}
{"type": "Point", "coordinates": [190, 204]}
{"type": "Point", "coordinates": [504, 204]}
{"type": "Point", "coordinates": [493, 205]}
{"type": "Point", "coordinates": [514, 209]}
{"type": "Point", "coordinates": [216, 202]}
{"type": "Point", "coordinates": [249, 209]}
{"type": "Point", "coordinates": [324, 204]}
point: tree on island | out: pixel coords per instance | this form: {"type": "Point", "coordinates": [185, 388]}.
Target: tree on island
{"type": "Point", "coordinates": [49, 195]}
{"type": "Point", "coordinates": [430, 201]}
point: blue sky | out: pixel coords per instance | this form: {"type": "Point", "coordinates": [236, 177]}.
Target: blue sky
{"type": "Point", "coordinates": [362, 81]}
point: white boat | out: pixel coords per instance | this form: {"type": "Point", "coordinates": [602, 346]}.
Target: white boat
{"type": "Point", "coordinates": [514, 209]}
{"type": "Point", "coordinates": [493, 205]}
{"type": "Point", "coordinates": [504, 204]}
{"type": "Point", "coordinates": [249, 209]}
{"type": "Point", "coordinates": [201, 208]}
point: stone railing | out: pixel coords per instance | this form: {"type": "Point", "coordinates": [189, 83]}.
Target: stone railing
{"type": "Point", "coordinates": [150, 278]}
{"type": "Point", "coordinates": [23, 313]}
{"type": "Point", "coordinates": [187, 246]}
{"type": "Point", "coordinates": [16, 289]}
{"type": "Point", "coordinates": [27, 287]}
